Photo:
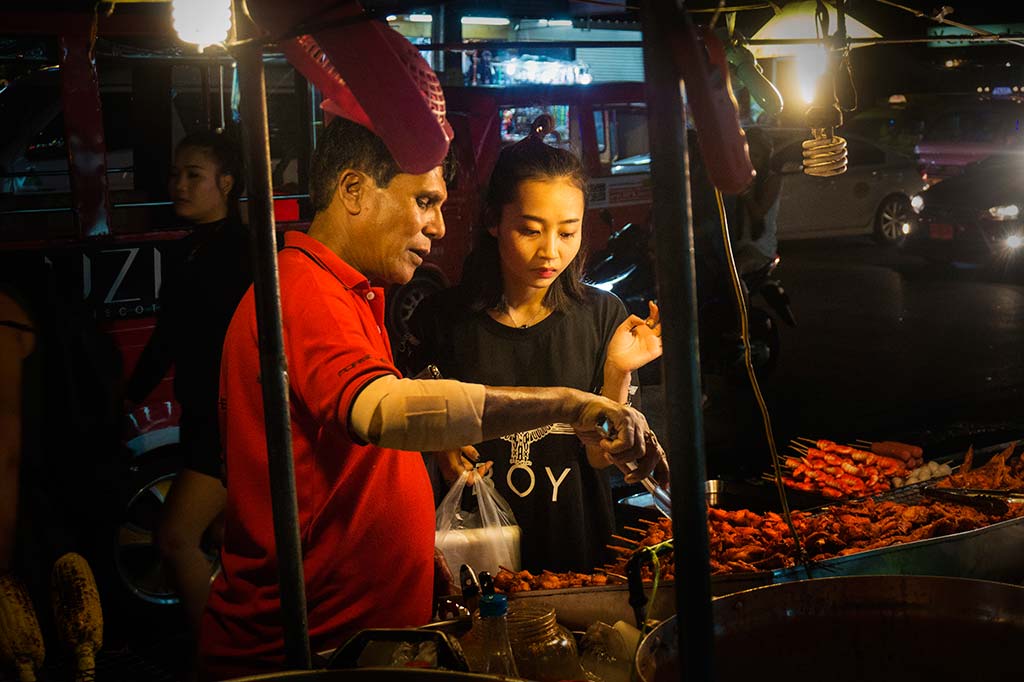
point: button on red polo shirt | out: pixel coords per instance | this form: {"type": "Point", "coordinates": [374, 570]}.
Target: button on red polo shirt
{"type": "Point", "coordinates": [365, 513]}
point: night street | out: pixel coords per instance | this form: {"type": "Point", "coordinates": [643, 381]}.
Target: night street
{"type": "Point", "coordinates": [887, 347]}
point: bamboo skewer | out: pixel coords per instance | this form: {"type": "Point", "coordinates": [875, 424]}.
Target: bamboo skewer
{"type": "Point", "coordinates": [619, 537]}
{"type": "Point", "coordinates": [620, 550]}
{"type": "Point", "coordinates": [611, 573]}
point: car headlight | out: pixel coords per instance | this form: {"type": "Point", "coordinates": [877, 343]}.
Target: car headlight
{"type": "Point", "coordinates": [1014, 241]}
{"type": "Point", "coordinates": [917, 203]}
{"type": "Point", "coordinates": [1008, 212]}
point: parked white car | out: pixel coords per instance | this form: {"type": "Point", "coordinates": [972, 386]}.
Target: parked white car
{"type": "Point", "coordinates": [872, 197]}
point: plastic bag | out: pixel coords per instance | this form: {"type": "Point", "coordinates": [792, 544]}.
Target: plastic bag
{"type": "Point", "coordinates": [486, 538]}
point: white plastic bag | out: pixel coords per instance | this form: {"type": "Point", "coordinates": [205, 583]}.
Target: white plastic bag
{"type": "Point", "coordinates": [485, 539]}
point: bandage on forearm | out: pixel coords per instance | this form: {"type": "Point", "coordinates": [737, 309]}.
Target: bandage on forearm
{"type": "Point", "coordinates": [416, 414]}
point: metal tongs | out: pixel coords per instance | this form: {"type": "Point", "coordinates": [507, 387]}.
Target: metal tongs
{"type": "Point", "coordinates": [662, 498]}
{"type": "Point", "coordinates": [996, 502]}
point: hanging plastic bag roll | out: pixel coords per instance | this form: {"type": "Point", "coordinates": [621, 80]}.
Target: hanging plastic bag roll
{"type": "Point", "coordinates": [485, 539]}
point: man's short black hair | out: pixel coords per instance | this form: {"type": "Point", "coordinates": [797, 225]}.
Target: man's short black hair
{"type": "Point", "coordinates": [346, 144]}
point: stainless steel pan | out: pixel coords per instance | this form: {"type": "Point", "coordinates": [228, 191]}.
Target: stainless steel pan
{"type": "Point", "coordinates": [878, 628]}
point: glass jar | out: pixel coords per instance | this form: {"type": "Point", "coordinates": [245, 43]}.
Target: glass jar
{"type": "Point", "coordinates": [544, 650]}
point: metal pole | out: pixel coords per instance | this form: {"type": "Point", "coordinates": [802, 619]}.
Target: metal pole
{"type": "Point", "coordinates": [204, 80]}
{"type": "Point", "coordinates": [677, 298]}
{"type": "Point", "coordinates": [273, 364]}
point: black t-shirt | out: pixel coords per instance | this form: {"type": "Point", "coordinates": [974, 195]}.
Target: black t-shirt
{"type": "Point", "coordinates": [196, 304]}
{"type": "Point", "coordinates": [562, 505]}
{"type": "Point", "coordinates": [197, 301]}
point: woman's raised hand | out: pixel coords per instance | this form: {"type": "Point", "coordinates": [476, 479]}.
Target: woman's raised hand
{"type": "Point", "coordinates": [636, 341]}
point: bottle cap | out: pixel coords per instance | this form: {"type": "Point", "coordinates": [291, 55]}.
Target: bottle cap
{"type": "Point", "coordinates": [492, 605]}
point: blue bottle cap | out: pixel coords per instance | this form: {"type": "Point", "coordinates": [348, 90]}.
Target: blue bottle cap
{"type": "Point", "coordinates": [493, 605]}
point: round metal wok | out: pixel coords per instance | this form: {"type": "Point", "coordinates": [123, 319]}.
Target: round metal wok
{"type": "Point", "coordinates": [878, 628]}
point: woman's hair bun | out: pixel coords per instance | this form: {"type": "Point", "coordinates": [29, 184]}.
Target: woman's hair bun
{"type": "Point", "coordinates": [542, 126]}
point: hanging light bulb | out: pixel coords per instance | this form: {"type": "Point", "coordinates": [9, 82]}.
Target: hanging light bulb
{"type": "Point", "coordinates": [202, 22]}
{"type": "Point", "coordinates": [825, 153]}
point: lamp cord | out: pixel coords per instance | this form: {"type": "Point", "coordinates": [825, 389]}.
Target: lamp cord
{"type": "Point", "coordinates": [762, 406]}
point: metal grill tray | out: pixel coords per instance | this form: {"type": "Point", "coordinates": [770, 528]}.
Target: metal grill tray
{"type": "Point", "coordinates": [994, 552]}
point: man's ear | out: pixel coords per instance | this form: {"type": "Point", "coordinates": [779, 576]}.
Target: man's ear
{"type": "Point", "coordinates": [351, 190]}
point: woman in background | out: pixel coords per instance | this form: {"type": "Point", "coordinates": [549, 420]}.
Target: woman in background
{"type": "Point", "coordinates": [195, 309]}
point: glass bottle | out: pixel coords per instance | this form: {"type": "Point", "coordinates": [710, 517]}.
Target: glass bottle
{"type": "Point", "coordinates": [487, 646]}
{"type": "Point", "coordinates": [544, 650]}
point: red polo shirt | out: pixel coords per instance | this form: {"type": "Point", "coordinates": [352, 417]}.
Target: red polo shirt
{"type": "Point", "coordinates": [366, 513]}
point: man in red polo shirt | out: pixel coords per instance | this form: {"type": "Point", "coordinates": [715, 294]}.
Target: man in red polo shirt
{"type": "Point", "coordinates": [365, 504]}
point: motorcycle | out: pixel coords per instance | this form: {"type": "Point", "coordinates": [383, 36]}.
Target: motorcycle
{"type": "Point", "coordinates": [625, 267]}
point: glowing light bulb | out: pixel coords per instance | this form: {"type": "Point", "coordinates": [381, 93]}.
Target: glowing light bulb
{"type": "Point", "coordinates": [202, 22]}
{"type": "Point", "coordinates": [810, 64]}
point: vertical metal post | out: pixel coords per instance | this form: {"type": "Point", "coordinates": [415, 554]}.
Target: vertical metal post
{"type": "Point", "coordinates": [83, 129]}
{"type": "Point", "coordinates": [451, 19]}
{"type": "Point", "coordinates": [204, 85]}
{"type": "Point", "coordinates": [306, 142]}
{"type": "Point", "coordinates": [437, 35]}
{"type": "Point", "coordinates": [677, 298]}
{"type": "Point", "coordinates": [273, 364]}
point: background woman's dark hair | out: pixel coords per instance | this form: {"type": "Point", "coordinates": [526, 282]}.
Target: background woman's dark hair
{"type": "Point", "coordinates": [225, 150]}
{"type": "Point", "coordinates": [529, 159]}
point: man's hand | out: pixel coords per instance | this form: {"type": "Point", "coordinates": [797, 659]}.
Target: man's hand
{"type": "Point", "coordinates": [661, 471]}
{"type": "Point", "coordinates": [622, 433]}
{"type": "Point", "coordinates": [453, 462]}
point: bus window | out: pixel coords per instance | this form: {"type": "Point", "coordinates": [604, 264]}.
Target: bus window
{"type": "Point", "coordinates": [516, 121]}
{"type": "Point", "coordinates": [626, 147]}
{"type": "Point", "coordinates": [602, 142]}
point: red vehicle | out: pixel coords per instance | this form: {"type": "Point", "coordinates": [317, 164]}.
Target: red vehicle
{"type": "Point", "coordinates": [87, 235]}
{"type": "Point", "coordinates": [89, 132]}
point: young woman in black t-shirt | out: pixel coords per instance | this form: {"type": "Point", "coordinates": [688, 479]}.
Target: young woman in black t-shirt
{"type": "Point", "coordinates": [522, 317]}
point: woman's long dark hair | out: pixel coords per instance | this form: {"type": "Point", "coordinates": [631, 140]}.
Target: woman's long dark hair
{"type": "Point", "coordinates": [225, 151]}
{"type": "Point", "coordinates": [528, 159]}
